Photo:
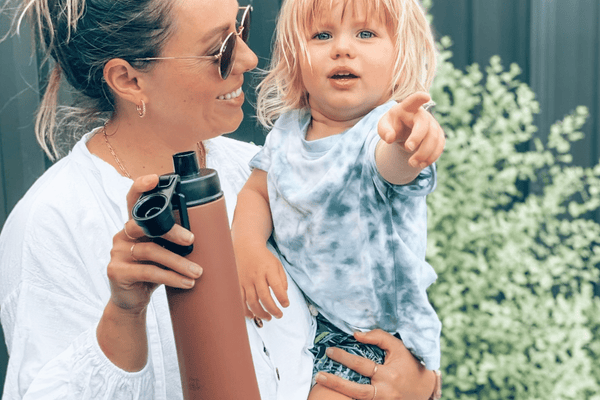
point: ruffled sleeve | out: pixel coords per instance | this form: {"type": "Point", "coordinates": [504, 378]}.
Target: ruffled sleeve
{"type": "Point", "coordinates": [82, 371]}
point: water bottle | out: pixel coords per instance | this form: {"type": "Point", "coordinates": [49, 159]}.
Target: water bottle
{"type": "Point", "coordinates": [213, 350]}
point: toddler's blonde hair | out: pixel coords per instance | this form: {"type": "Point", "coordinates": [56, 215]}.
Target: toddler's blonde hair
{"type": "Point", "coordinates": [282, 89]}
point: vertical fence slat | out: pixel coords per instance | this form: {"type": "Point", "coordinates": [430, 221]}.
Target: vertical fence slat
{"type": "Point", "coordinates": [22, 160]}
{"type": "Point", "coordinates": [500, 27]}
{"type": "Point", "coordinates": [453, 19]}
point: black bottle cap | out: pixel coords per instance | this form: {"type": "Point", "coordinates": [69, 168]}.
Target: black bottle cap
{"type": "Point", "coordinates": [197, 185]}
{"type": "Point", "coordinates": [186, 164]}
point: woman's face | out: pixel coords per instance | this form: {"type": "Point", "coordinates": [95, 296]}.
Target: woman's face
{"type": "Point", "coordinates": [188, 95]}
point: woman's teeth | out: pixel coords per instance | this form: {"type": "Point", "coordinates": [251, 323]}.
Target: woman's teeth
{"type": "Point", "coordinates": [231, 95]}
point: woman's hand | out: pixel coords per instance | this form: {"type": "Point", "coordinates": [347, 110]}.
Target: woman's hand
{"type": "Point", "coordinates": [400, 377]}
{"type": "Point", "coordinates": [137, 266]}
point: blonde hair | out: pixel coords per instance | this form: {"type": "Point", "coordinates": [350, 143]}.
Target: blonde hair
{"type": "Point", "coordinates": [282, 89]}
{"type": "Point", "coordinates": [81, 36]}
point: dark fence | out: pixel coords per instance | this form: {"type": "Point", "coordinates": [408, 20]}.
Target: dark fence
{"type": "Point", "coordinates": [556, 43]}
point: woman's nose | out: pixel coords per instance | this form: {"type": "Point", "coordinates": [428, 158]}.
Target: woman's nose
{"type": "Point", "coordinates": [245, 59]}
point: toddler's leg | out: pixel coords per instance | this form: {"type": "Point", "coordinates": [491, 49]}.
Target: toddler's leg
{"type": "Point", "coordinates": [319, 392]}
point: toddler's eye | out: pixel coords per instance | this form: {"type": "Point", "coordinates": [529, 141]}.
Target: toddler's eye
{"type": "Point", "coordinates": [322, 36]}
{"type": "Point", "coordinates": [366, 35]}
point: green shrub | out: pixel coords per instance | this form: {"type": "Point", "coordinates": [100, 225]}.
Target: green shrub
{"type": "Point", "coordinates": [514, 293]}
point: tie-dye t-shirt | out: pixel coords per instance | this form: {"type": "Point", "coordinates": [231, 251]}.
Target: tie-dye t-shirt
{"type": "Point", "coordinates": [354, 243]}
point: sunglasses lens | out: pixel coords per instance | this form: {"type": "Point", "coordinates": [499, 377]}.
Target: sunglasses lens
{"type": "Point", "coordinates": [227, 56]}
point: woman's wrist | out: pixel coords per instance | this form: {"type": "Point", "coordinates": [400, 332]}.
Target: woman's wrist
{"type": "Point", "coordinates": [122, 337]}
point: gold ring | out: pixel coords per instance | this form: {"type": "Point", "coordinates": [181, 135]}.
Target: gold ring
{"type": "Point", "coordinates": [127, 234]}
{"type": "Point", "coordinates": [131, 251]}
{"type": "Point", "coordinates": [374, 370]}
{"type": "Point", "coordinates": [374, 392]}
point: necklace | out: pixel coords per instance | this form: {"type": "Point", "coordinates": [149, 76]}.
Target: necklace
{"type": "Point", "coordinates": [112, 151]}
{"type": "Point", "coordinates": [199, 146]}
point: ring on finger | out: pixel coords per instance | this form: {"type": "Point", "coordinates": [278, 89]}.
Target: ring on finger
{"type": "Point", "coordinates": [131, 251]}
{"type": "Point", "coordinates": [374, 392]}
{"type": "Point", "coordinates": [375, 366]}
{"type": "Point", "coordinates": [127, 234]}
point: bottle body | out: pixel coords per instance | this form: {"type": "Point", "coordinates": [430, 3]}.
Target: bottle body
{"type": "Point", "coordinates": [212, 343]}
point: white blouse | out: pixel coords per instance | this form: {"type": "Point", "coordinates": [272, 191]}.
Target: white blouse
{"type": "Point", "coordinates": [54, 251]}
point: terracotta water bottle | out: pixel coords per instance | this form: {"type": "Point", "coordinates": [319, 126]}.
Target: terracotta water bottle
{"type": "Point", "coordinates": [208, 320]}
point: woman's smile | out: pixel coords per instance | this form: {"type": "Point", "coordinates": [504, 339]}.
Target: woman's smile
{"type": "Point", "coordinates": [233, 95]}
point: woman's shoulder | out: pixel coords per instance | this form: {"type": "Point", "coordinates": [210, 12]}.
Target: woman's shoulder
{"type": "Point", "coordinates": [65, 180]}
{"type": "Point", "coordinates": [64, 194]}
{"type": "Point", "coordinates": [227, 153]}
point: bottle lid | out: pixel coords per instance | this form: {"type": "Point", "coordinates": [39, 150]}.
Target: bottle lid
{"type": "Point", "coordinates": [198, 185]}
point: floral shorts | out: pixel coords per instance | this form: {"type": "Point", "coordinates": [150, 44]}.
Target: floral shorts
{"type": "Point", "coordinates": [328, 335]}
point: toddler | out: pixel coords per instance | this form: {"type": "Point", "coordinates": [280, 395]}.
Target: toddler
{"type": "Point", "coordinates": [344, 199]}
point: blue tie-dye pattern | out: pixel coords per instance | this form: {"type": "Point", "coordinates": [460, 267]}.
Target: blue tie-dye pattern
{"type": "Point", "coordinates": [353, 243]}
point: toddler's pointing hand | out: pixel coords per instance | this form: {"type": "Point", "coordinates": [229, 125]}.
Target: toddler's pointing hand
{"type": "Point", "coordinates": [415, 129]}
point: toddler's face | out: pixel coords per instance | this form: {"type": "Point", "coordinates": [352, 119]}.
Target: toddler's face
{"type": "Point", "coordinates": [352, 61]}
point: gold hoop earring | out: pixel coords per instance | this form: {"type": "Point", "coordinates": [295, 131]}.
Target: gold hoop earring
{"type": "Point", "coordinates": [141, 109]}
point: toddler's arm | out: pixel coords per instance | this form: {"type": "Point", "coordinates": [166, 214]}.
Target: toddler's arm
{"type": "Point", "coordinates": [258, 268]}
{"type": "Point", "coordinates": [411, 140]}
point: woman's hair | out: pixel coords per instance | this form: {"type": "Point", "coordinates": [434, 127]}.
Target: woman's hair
{"type": "Point", "coordinates": [81, 36]}
{"type": "Point", "coordinates": [282, 89]}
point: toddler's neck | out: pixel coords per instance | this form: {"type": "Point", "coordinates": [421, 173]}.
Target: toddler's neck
{"type": "Point", "coordinates": [321, 126]}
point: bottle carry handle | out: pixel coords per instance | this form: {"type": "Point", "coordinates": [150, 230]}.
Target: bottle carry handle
{"type": "Point", "coordinates": [153, 212]}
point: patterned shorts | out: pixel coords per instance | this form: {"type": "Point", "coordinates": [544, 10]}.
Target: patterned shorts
{"type": "Point", "coordinates": [328, 335]}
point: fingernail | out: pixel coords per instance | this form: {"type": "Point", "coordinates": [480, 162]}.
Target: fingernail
{"type": "Point", "coordinates": [414, 163]}
{"type": "Point", "coordinates": [188, 282]}
{"type": "Point", "coordinates": [329, 351]}
{"type": "Point", "coordinates": [321, 378]}
{"type": "Point", "coordinates": [195, 269]}
{"type": "Point", "coordinates": [148, 179]}
{"type": "Point", "coordinates": [189, 237]}
{"type": "Point", "coordinates": [410, 146]}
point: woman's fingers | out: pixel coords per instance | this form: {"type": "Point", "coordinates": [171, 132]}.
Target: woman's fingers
{"type": "Point", "coordinates": [151, 273]}
{"type": "Point", "coordinates": [140, 185]}
{"type": "Point", "coordinates": [132, 231]}
{"type": "Point", "coordinates": [154, 253]}
{"type": "Point", "coordinates": [179, 235]}
{"type": "Point", "coordinates": [362, 365]}
{"type": "Point", "coordinates": [351, 389]}
{"type": "Point", "coordinates": [379, 338]}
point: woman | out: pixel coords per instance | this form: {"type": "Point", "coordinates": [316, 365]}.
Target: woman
{"type": "Point", "coordinates": [83, 309]}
